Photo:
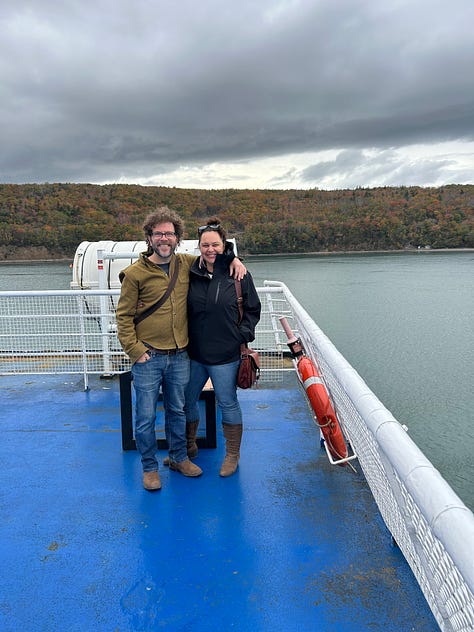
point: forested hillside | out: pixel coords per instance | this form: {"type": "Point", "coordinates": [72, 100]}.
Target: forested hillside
{"type": "Point", "coordinates": [40, 221]}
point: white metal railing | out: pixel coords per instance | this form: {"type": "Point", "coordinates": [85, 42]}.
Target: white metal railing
{"type": "Point", "coordinates": [429, 522]}
{"type": "Point", "coordinates": [74, 331]}
{"type": "Point", "coordinates": [61, 331]}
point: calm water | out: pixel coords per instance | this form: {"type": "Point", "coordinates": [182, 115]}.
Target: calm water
{"type": "Point", "coordinates": [404, 321]}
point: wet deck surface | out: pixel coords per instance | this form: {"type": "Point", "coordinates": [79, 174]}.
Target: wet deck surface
{"type": "Point", "coordinates": [288, 543]}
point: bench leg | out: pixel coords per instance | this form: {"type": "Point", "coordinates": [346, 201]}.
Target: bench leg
{"type": "Point", "coordinates": [210, 440]}
{"type": "Point", "coordinates": [126, 415]}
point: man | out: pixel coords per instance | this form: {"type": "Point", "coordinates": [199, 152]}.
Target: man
{"type": "Point", "coordinates": [156, 341]}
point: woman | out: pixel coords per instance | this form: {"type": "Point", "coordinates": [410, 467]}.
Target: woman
{"type": "Point", "coordinates": [215, 336]}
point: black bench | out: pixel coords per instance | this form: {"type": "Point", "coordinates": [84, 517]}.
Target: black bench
{"type": "Point", "coordinates": [126, 413]}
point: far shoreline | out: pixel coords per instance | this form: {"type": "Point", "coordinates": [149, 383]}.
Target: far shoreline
{"type": "Point", "coordinates": [324, 253]}
{"type": "Point", "coordinates": [321, 253]}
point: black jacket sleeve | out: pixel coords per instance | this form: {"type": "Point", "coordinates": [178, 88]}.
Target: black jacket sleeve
{"type": "Point", "coordinates": [229, 254]}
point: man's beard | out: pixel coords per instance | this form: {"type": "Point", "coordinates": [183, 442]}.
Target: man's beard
{"type": "Point", "coordinates": [157, 252]}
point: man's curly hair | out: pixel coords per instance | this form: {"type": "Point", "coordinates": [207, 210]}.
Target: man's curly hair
{"type": "Point", "coordinates": [161, 215]}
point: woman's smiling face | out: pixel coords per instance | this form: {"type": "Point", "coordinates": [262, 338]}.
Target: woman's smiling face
{"type": "Point", "coordinates": [210, 245]}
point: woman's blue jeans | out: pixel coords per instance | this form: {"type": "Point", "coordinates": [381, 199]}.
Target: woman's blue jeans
{"type": "Point", "coordinates": [171, 373]}
{"type": "Point", "coordinates": [224, 378]}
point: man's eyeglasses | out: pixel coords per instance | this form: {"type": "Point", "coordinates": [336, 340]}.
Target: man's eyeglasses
{"type": "Point", "coordinates": [168, 234]}
{"type": "Point", "coordinates": [201, 229]}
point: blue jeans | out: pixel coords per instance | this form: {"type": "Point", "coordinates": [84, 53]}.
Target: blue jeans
{"type": "Point", "coordinates": [171, 373]}
{"type": "Point", "coordinates": [224, 377]}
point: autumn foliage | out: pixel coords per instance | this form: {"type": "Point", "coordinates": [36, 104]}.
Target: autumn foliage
{"type": "Point", "coordinates": [50, 220]}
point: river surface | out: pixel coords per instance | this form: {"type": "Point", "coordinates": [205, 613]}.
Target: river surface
{"type": "Point", "coordinates": [405, 321]}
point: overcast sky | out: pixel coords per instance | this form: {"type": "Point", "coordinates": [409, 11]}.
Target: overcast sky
{"type": "Point", "coordinates": [237, 93]}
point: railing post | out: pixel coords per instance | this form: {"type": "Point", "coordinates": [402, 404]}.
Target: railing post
{"type": "Point", "coordinates": [104, 318]}
{"type": "Point", "coordinates": [80, 307]}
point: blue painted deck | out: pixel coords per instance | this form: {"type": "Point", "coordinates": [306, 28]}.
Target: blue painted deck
{"type": "Point", "coordinates": [288, 543]}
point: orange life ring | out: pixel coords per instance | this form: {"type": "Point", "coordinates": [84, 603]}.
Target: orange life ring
{"type": "Point", "coordinates": [325, 415]}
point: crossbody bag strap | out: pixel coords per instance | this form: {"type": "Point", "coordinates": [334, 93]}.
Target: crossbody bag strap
{"type": "Point", "coordinates": [161, 300]}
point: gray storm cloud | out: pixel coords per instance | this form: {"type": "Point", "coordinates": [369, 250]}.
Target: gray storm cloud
{"type": "Point", "coordinates": [91, 92]}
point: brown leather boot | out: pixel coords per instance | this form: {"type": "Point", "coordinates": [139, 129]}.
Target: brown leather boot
{"type": "Point", "coordinates": [151, 481]}
{"type": "Point", "coordinates": [191, 445]}
{"type": "Point", "coordinates": [191, 432]}
{"type": "Point", "coordinates": [233, 438]}
{"type": "Point", "coordinates": [186, 468]}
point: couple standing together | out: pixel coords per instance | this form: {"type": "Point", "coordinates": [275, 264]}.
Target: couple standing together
{"type": "Point", "coordinates": [200, 298]}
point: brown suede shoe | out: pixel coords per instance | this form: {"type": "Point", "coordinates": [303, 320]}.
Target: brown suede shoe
{"type": "Point", "coordinates": [187, 468]}
{"type": "Point", "coordinates": [151, 481]}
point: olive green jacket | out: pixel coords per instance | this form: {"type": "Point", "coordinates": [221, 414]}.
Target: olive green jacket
{"type": "Point", "coordinates": [143, 283]}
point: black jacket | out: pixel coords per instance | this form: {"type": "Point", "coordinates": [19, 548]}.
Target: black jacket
{"type": "Point", "coordinates": [215, 335]}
